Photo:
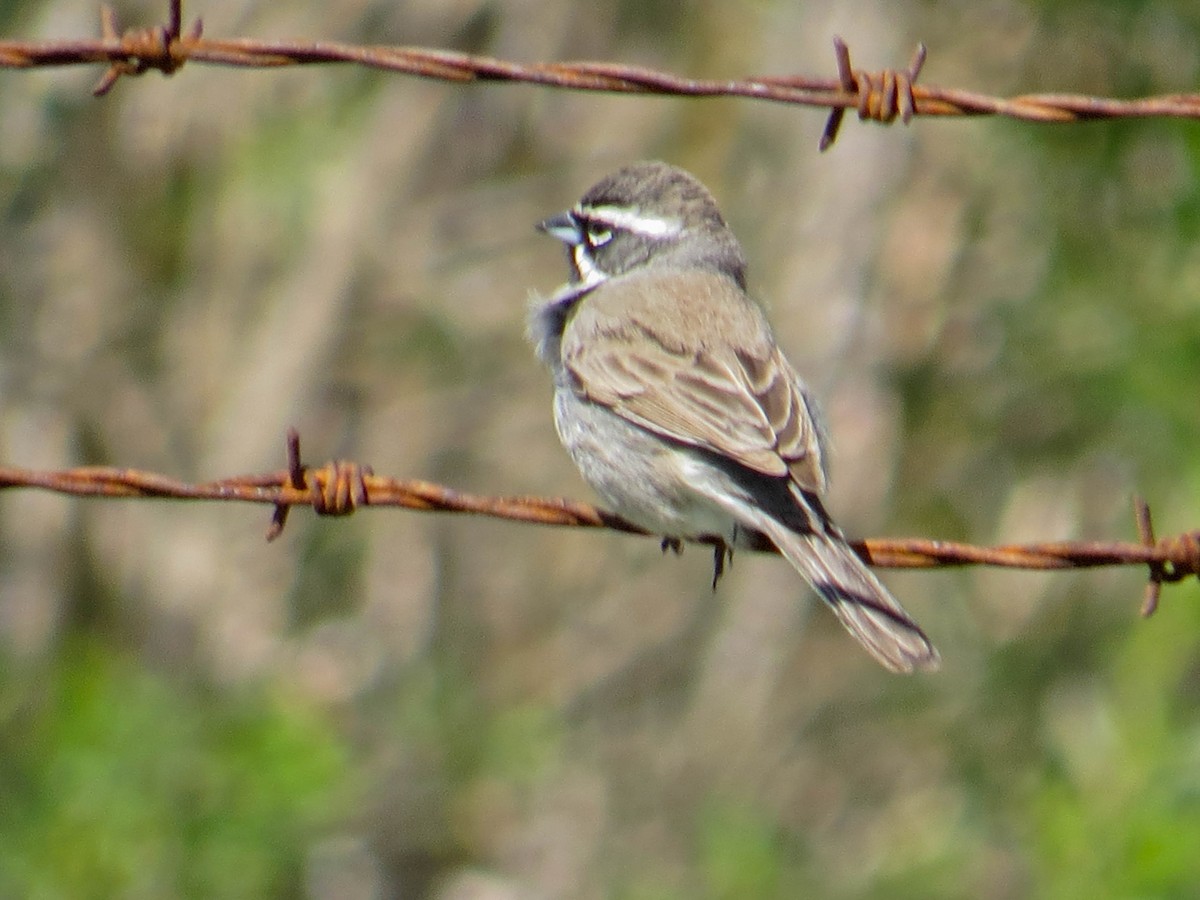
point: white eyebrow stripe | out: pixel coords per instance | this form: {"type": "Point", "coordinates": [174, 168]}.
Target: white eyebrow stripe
{"type": "Point", "coordinates": [630, 220]}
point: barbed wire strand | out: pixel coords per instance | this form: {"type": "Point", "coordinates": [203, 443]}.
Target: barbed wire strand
{"type": "Point", "coordinates": [877, 96]}
{"type": "Point", "coordinates": [339, 488]}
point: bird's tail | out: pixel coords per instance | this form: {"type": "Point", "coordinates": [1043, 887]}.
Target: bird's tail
{"type": "Point", "coordinates": [856, 596]}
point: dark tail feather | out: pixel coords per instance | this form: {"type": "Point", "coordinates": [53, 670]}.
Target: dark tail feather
{"type": "Point", "coordinates": [857, 598]}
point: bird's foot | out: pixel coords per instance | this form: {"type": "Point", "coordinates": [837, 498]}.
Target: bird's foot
{"type": "Point", "coordinates": [722, 554]}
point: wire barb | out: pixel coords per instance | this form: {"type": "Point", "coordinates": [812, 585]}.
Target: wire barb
{"type": "Point", "coordinates": [881, 96]}
{"type": "Point", "coordinates": [142, 49]}
{"type": "Point", "coordinates": [1178, 556]}
{"type": "Point", "coordinates": [338, 488]}
{"type": "Point", "coordinates": [1145, 527]}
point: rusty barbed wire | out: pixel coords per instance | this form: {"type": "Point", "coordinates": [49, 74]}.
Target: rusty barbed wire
{"type": "Point", "coordinates": [879, 97]}
{"type": "Point", "coordinates": [340, 487]}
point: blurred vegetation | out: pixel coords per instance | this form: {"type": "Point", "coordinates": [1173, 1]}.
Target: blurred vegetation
{"type": "Point", "coordinates": [119, 781]}
{"type": "Point", "coordinates": [1001, 318]}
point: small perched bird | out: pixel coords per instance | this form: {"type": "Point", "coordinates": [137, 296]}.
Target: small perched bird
{"type": "Point", "coordinates": [677, 405]}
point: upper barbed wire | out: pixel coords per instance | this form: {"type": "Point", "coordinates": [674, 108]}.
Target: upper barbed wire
{"type": "Point", "coordinates": [880, 96]}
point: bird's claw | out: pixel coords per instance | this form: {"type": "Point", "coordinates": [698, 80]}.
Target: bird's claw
{"type": "Point", "coordinates": [722, 554]}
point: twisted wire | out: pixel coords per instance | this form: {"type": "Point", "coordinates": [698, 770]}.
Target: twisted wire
{"type": "Point", "coordinates": [880, 97]}
{"type": "Point", "coordinates": [341, 487]}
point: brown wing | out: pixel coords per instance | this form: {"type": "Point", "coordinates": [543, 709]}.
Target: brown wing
{"type": "Point", "coordinates": [689, 356]}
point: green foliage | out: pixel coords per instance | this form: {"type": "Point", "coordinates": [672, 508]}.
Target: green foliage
{"type": "Point", "coordinates": [1115, 812]}
{"type": "Point", "coordinates": [741, 854]}
{"type": "Point", "coordinates": [120, 781]}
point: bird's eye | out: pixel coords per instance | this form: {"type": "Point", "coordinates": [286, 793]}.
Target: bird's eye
{"type": "Point", "coordinates": [598, 235]}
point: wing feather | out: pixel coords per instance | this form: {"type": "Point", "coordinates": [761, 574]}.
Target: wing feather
{"type": "Point", "coordinates": [686, 354]}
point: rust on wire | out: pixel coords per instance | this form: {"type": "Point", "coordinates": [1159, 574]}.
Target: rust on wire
{"type": "Point", "coordinates": [879, 97]}
{"type": "Point", "coordinates": [340, 487]}
{"type": "Point", "coordinates": [1179, 557]}
{"type": "Point", "coordinates": [141, 49]}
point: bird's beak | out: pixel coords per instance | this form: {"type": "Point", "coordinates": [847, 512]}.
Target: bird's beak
{"type": "Point", "coordinates": [563, 226]}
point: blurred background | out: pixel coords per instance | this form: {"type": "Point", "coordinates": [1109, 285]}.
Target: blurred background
{"type": "Point", "coordinates": [1001, 320]}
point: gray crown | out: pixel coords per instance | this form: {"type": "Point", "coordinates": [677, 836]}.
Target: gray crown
{"type": "Point", "coordinates": [647, 214]}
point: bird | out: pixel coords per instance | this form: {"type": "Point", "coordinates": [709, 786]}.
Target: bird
{"type": "Point", "coordinates": [677, 405]}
